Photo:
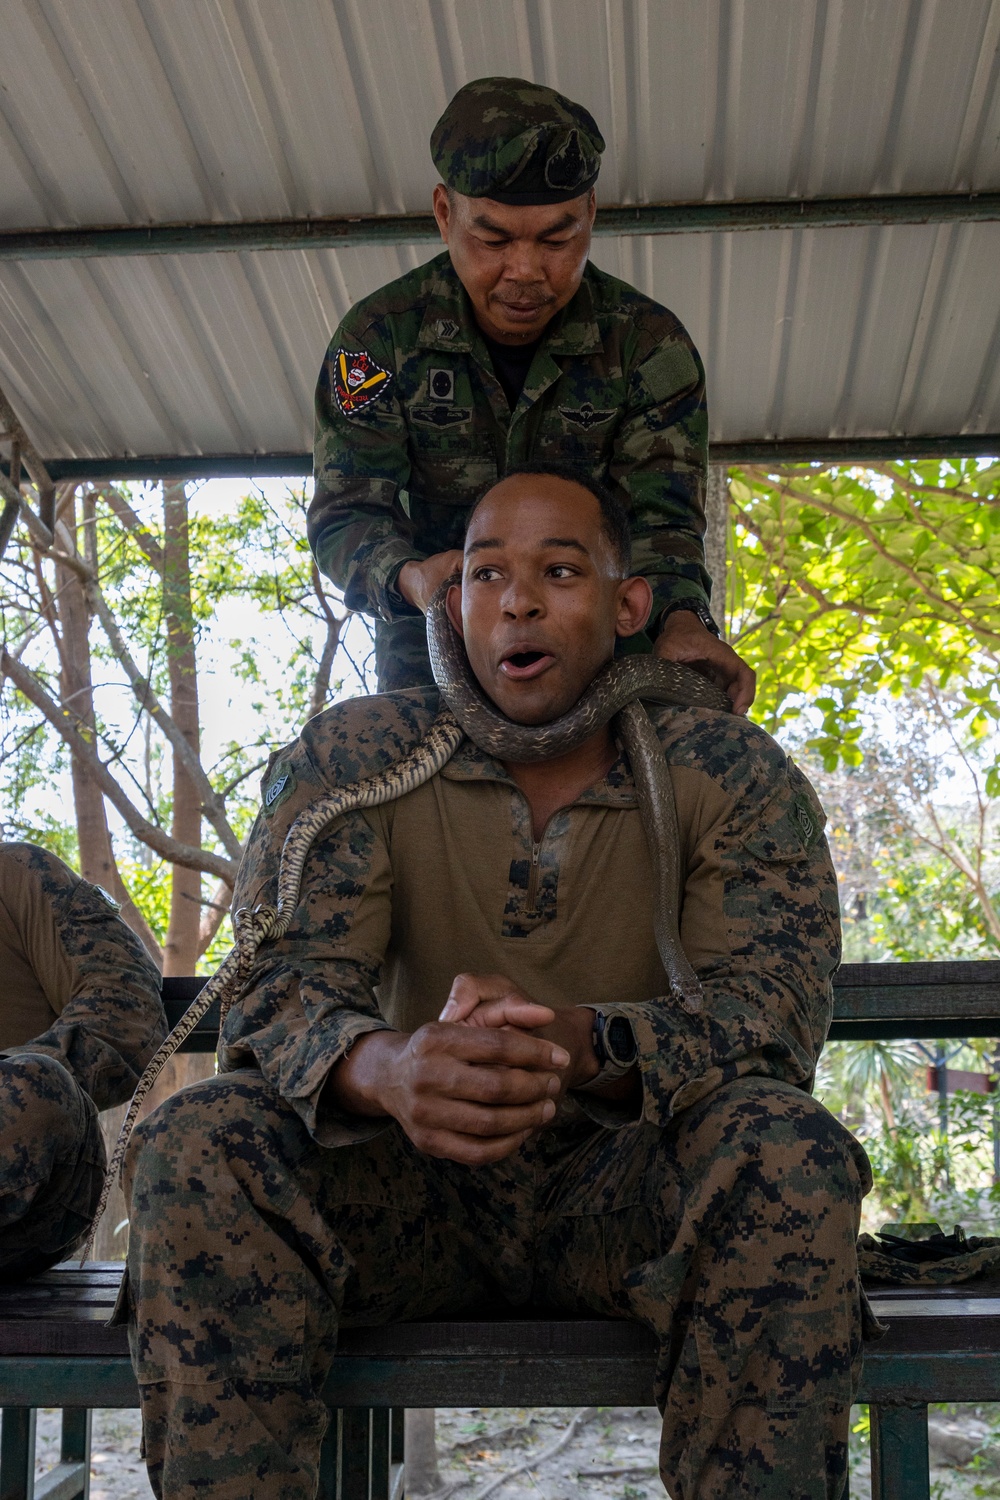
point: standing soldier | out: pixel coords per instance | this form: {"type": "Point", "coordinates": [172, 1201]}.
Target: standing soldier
{"type": "Point", "coordinates": [506, 347]}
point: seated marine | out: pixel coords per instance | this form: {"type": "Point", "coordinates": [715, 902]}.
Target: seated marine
{"type": "Point", "coordinates": [80, 1017]}
{"type": "Point", "coordinates": [466, 1078]}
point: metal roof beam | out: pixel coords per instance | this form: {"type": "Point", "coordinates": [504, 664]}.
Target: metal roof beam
{"type": "Point", "coordinates": [408, 229]}
{"type": "Point", "coordinates": [299, 465]}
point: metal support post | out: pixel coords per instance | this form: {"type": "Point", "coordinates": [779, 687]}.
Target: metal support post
{"type": "Point", "coordinates": [355, 1453]}
{"type": "Point", "coordinates": [17, 1453]}
{"type": "Point", "coordinates": [381, 1421]}
{"type": "Point", "coordinates": [900, 1458]}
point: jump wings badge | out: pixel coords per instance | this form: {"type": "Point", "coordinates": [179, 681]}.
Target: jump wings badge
{"type": "Point", "coordinates": [358, 381]}
{"type": "Point", "coordinates": [586, 416]}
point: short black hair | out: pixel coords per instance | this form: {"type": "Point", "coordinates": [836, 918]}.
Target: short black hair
{"type": "Point", "coordinates": [615, 521]}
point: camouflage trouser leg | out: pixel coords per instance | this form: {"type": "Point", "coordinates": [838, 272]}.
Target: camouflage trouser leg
{"type": "Point", "coordinates": [51, 1163]}
{"type": "Point", "coordinates": [401, 659]}
{"type": "Point", "coordinates": [731, 1234]}
{"type": "Point", "coordinates": [248, 1246]}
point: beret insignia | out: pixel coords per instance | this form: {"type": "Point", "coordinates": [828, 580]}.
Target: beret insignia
{"type": "Point", "coordinates": [358, 381]}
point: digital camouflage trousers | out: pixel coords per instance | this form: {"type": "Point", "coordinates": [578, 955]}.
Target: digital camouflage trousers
{"type": "Point", "coordinates": [731, 1234]}
{"type": "Point", "coordinates": [51, 1163]}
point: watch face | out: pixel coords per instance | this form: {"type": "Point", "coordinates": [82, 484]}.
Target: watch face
{"type": "Point", "coordinates": [621, 1040]}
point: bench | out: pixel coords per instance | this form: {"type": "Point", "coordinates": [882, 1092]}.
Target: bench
{"type": "Point", "coordinates": [943, 1344]}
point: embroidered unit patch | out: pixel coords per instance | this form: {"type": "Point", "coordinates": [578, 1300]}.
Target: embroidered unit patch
{"type": "Point", "coordinates": [358, 381]}
{"type": "Point", "coordinates": [441, 385]}
{"type": "Point", "coordinates": [585, 416]}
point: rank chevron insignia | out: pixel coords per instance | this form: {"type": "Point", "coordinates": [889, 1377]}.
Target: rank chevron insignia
{"type": "Point", "coordinates": [585, 416]}
{"type": "Point", "coordinates": [358, 381]}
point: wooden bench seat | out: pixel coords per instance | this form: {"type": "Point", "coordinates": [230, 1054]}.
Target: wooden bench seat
{"type": "Point", "coordinates": [942, 1345]}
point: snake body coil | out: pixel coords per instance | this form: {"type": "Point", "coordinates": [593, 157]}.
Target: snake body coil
{"type": "Point", "coordinates": [614, 694]}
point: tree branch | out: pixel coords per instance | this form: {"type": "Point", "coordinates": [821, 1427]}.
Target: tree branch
{"type": "Point", "coordinates": [214, 913]}
{"type": "Point", "coordinates": [321, 682]}
{"type": "Point", "coordinates": [155, 838]}
{"type": "Point", "coordinates": [947, 607]}
{"type": "Point", "coordinates": [144, 538]}
{"type": "Point", "coordinates": [146, 696]}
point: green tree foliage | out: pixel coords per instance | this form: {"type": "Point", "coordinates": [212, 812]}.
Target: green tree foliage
{"type": "Point", "coordinates": [850, 582]}
{"type": "Point", "coordinates": [268, 636]}
{"type": "Point", "coordinates": [867, 601]}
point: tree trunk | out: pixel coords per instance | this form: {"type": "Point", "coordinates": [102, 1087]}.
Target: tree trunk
{"type": "Point", "coordinates": [97, 859]}
{"type": "Point", "coordinates": [716, 537]}
{"type": "Point", "coordinates": [180, 952]}
{"type": "Point", "coordinates": [182, 947]}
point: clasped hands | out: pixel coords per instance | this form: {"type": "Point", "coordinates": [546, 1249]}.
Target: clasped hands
{"type": "Point", "coordinates": [475, 1084]}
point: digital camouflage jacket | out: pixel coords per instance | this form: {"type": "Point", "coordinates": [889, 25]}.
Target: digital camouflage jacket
{"type": "Point", "coordinates": [78, 984]}
{"type": "Point", "coordinates": [412, 425]}
{"type": "Point", "coordinates": [760, 919]}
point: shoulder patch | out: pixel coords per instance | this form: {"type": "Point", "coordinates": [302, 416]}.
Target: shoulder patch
{"type": "Point", "coordinates": [358, 380]}
{"type": "Point", "coordinates": [668, 370]}
{"type": "Point", "coordinates": [280, 786]}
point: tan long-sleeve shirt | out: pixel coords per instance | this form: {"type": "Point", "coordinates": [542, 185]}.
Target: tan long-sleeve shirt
{"type": "Point", "coordinates": [75, 982]}
{"type": "Point", "coordinates": [396, 901]}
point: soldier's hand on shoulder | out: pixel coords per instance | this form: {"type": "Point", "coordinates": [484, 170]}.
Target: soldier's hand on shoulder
{"type": "Point", "coordinates": [684, 638]}
{"type": "Point", "coordinates": [418, 582]}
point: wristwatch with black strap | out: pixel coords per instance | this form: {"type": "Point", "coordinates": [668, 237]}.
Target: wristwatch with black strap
{"type": "Point", "coordinates": [615, 1047]}
{"type": "Point", "coordinates": [695, 607]}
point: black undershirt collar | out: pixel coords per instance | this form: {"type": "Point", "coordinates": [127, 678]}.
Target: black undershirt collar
{"type": "Point", "coordinates": [511, 363]}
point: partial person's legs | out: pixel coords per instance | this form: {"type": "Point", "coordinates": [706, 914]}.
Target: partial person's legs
{"type": "Point", "coordinates": [732, 1234]}
{"type": "Point", "coordinates": [51, 1163]}
{"type": "Point", "coordinates": [249, 1245]}
{"type": "Point", "coordinates": [401, 659]}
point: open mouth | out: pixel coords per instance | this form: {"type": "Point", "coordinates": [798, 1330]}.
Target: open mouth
{"type": "Point", "coordinates": [520, 665]}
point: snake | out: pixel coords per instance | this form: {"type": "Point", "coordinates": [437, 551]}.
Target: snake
{"type": "Point", "coordinates": [615, 696]}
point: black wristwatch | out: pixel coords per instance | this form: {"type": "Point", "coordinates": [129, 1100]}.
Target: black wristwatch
{"type": "Point", "coordinates": [615, 1046]}
{"type": "Point", "coordinates": [695, 607]}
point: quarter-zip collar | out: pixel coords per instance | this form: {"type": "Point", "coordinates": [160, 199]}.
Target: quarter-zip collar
{"type": "Point", "coordinates": [616, 789]}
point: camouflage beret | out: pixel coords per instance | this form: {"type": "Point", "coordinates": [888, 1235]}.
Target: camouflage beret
{"type": "Point", "coordinates": [516, 142]}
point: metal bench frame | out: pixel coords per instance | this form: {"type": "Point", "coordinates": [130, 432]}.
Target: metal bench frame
{"type": "Point", "coordinates": [943, 1346]}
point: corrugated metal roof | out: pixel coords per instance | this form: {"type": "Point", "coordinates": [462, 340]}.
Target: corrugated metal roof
{"type": "Point", "coordinates": [151, 111]}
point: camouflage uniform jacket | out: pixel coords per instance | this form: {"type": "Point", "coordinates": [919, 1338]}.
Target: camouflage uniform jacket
{"type": "Point", "coordinates": [78, 984]}
{"type": "Point", "coordinates": [616, 390]}
{"type": "Point", "coordinates": [753, 834]}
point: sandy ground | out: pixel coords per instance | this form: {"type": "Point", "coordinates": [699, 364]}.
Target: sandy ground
{"type": "Point", "coordinates": [550, 1453]}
